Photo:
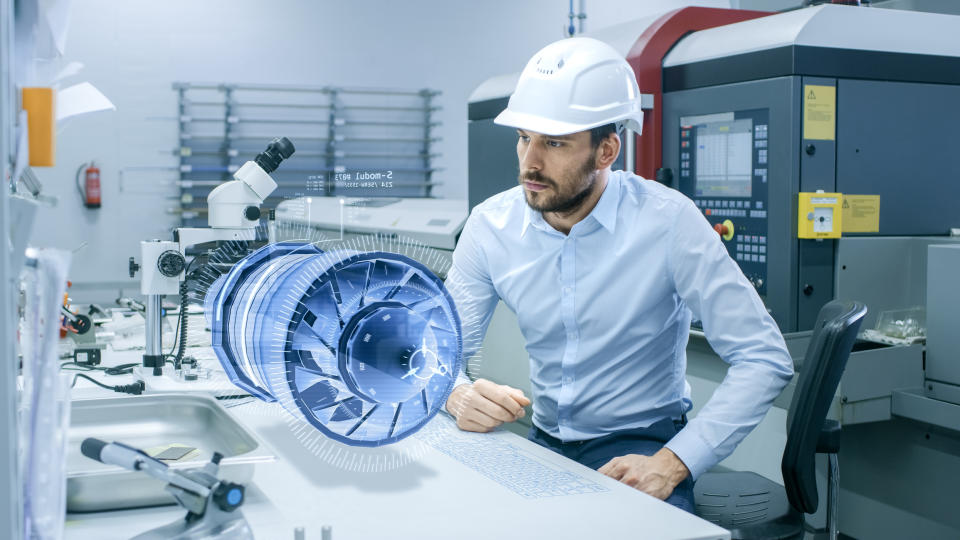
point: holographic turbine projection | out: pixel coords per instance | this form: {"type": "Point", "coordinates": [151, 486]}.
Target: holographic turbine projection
{"type": "Point", "coordinates": [364, 346]}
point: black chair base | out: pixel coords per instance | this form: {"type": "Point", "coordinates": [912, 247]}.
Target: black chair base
{"type": "Point", "coordinates": [748, 505]}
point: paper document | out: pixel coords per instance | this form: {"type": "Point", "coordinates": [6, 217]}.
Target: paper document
{"type": "Point", "coordinates": [81, 99]}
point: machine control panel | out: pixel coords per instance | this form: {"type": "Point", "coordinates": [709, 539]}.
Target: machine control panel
{"type": "Point", "coordinates": [723, 169]}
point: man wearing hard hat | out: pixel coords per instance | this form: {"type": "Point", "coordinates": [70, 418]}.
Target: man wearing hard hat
{"type": "Point", "coordinates": [604, 271]}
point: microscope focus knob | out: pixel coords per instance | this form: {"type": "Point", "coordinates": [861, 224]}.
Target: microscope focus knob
{"type": "Point", "coordinates": [228, 496]}
{"type": "Point", "coordinates": [133, 267]}
{"type": "Point", "coordinates": [171, 263]}
{"type": "Point", "coordinates": [252, 213]}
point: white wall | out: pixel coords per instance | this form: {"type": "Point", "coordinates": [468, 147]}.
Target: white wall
{"type": "Point", "coordinates": [134, 49]}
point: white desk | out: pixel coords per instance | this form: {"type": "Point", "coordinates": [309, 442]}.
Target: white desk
{"type": "Point", "coordinates": [435, 497]}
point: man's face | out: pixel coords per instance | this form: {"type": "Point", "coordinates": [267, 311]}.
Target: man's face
{"type": "Point", "coordinates": [557, 172]}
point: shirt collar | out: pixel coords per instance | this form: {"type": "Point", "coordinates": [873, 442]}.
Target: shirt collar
{"type": "Point", "coordinates": [529, 216]}
{"type": "Point", "coordinates": [605, 212]}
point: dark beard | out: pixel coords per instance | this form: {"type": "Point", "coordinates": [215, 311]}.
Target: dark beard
{"type": "Point", "coordinates": [587, 171]}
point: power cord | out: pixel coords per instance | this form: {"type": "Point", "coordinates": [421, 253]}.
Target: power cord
{"type": "Point", "coordinates": [122, 369]}
{"type": "Point", "coordinates": [134, 389]}
{"type": "Point", "coordinates": [181, 329]}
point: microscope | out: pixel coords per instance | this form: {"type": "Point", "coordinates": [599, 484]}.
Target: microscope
{"type": "Point", "coordinates": [234, 213]}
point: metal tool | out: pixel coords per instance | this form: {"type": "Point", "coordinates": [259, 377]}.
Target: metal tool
{"type": "Point", "coordinates": [212, 504]}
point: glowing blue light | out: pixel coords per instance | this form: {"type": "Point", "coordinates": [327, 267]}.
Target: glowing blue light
{"type": "Point", "coordinates": [363, 346]}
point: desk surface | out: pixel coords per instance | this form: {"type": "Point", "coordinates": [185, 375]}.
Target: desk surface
{"type": "Point", "coordinates": [435, 496]}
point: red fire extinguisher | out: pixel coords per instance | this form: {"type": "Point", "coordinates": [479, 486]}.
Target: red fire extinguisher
{"type": "Point", "coordinates": [90, 187]}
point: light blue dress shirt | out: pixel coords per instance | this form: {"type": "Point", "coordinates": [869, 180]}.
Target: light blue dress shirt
{"type": "Point", "coordinates": [606, 311]}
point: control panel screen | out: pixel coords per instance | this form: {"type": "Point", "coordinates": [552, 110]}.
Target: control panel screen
{"type": "Point", "coordinates": [723, 170]}
{"type": "Point", "coordinates": [724, 158]}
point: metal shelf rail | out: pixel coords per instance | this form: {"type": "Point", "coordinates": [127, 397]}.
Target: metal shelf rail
{"type": "Point", "coordinates": [354, 142]}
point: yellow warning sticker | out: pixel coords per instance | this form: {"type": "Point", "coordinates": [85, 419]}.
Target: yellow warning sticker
{"type": "Point", "coordinates": [819, 112]}
{"type": "Point", "coordinates": [861, 213]}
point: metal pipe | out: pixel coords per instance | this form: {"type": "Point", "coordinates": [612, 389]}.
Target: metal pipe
{"type": "Point", "coordinates": [833, 496]}
{"type": "Point", "coordinates": [304, 88]}
{"type": "Point", "coordinates": [153, 353]}
{"type": "Point", "coordinates": [306, 106]}
{"type": "Point", "coordinates": [629, 151]}
{"type": "Point", "coordinates": [153, 325]}
{"type": "Point", "coordinates": [582, 17]}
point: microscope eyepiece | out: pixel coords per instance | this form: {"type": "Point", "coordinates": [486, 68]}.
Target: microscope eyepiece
{"type": "Point", "coordinates": [278, 150]}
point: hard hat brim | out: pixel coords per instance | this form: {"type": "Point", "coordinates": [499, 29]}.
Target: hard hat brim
{"type": "Point", "coordinates": [548, 126]}
{"type": "Point", "coordinates": [538, 124]}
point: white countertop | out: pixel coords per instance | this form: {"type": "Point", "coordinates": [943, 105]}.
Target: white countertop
{"type": "Point", "coordinates": [435, 496]}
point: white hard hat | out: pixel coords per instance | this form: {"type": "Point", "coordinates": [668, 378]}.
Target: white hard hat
{"type": "Point", "coordinates": [574, 85]}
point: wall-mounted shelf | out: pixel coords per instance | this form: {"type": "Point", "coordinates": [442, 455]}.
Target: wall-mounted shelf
{"type": "Point", "coordinates": [354, 142]}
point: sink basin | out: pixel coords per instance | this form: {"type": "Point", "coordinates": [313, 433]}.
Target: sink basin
{"type": "Point", "coordinates": [153, 421]}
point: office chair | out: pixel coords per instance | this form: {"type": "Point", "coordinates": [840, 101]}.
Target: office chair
{"type": "Point", "coordinates": [752, 507]}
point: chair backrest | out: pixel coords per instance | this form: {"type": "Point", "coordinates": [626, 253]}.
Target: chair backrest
{"type": "Point", "coordinates": [833, 336]}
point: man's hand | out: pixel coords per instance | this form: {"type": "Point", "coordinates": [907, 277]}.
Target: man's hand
{"type": "Point", "coordinates": [484, 405]}
{"type": "Point", "coordinates": [655, 475]}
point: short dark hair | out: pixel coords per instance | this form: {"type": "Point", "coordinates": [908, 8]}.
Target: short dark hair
{"type": "Point", "coordinates": [598, 134]}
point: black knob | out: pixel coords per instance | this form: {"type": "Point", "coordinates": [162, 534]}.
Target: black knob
{"type": "Point", "coordinates": [133, 267]}
{"type": "Point", "coordinates": [228, 496]}
{"type": "Point", "coordinates": [252, 213]}
{"type": "Point", "coordinates": [82, 325]}
{"type": "Point", "coordinates": [808, 289]}
{"type": "Point", "coordinates": [171, 263]}
{"type": "Point", "coordinates": [811, 149]}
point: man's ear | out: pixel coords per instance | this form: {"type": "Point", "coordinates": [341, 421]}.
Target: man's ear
{"type": "Point", "coordinates": [608, 150]}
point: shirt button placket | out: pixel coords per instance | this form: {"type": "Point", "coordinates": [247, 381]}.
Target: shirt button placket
{"type": "Point", "coordinates": [568, 315]}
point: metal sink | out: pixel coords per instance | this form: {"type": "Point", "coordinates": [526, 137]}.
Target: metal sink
{"type": "Point", "coordinates": [152, 421]}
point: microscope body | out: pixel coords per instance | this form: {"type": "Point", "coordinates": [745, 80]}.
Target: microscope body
{"type": "Point", "coordinates": [234, 213]}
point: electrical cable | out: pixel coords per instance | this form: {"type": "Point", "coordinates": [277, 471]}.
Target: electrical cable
{"type": "Point", "coordinates": [182, 324]}
{"type": "Point", "coordinates": [181, 329]}
{"type": "Point", "coordinates": [122, 369]}
{"type": "Point", "coordinates": [134, 389]}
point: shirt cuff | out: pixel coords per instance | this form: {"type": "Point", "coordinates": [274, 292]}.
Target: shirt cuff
{"type": "Point", "coordinates": [693, 451]}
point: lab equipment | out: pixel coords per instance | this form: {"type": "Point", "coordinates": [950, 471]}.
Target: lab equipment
{"type": "Point", "coordinates": [434, 223]}
{"type": "Point", "coordinates": [213, 505]}
{"type": "Point", "coordinates": [364, 346]}
{"type": "Point", "coordinates": [191, 420]}
{"type": "Point", "coordinates": [234, 215]}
